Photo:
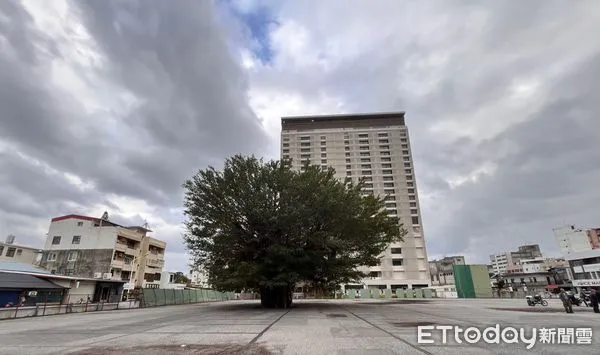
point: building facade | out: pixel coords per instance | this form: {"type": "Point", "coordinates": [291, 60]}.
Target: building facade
{"type": "Point", "coordinates": [199, 278]}
{"type": "Point", "coordinates": [580, 248]}
{"type": "Point", "coordinates": [442, 272]}
{"type": "Point", "coordinates": [375, 147]}
{"type": "Point", "coordinates": [14, 253]}
{"type": "Point", "coordinates": [98, 248]}
{"type": "Point", "coordinates": [502, 262]}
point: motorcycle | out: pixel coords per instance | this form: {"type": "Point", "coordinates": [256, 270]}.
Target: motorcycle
{"type": "Point", "coordinates": [537, 299]}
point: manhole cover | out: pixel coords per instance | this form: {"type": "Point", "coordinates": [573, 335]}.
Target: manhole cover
{"type": "Point", "coordinates": [336, 315]}
{"type": "Point", "coordinates": [411, 324]}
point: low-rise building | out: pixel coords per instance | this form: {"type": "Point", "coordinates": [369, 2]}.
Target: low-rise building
{"type": "Point", "coordinates": [503, 261]}
{"type": "Point", "coordinates": [100, 249]}
{"type": "Point", "coordinates": [581, 249]}
{"type": "Point", "coordinates": [11, 252]}
{"type": "Point", "coordinates": [442, 271]}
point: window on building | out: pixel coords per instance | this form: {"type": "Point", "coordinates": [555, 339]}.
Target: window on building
{"type": "Point", "coordinates": [346, 142]}
{"type": "Point", "coordinates": [388, 184]}
{"type": "Point", "coordinates": [375, 274]}
{"type": "Point", "coordinates": [348, 167]}
{"type": "Point", "coordinates": [305, 156]}
{"type": "Point", "coordinates": [305, 144]}
{"type": "Point", "coordinates": [402, 134]}
{"type": "Point", "coordinates": [390, 205]}
{"type": "Point", "coordinates": [403, 140]}
{"type": "Point", "coordinates": [367, 178]}
{"type": "Point", "coordinates": [389, 191]}
{"type": "Point", "coordinates": [286, 139]}
{"type": "Point", "coordinates": [348, 173]}
{"type": "Point", "coordinates": [323, 143]}
{"type": "Point", "coordinates": [390, 198]}
{"type": "Point", "coordinates": [305, 150]}
{"type": "Point", "coordinates": [386, 172]}
{"type": "Point", "coordinates": [72, 256]}
{"type": "Point", "coordinates": [76, 239]}
{"type": "Point", "coordinates": [411, 191]}
{"type": "Point", "coordinates": [363, 141]}
{"type": "Point", "coordinates": [364, 147]}
{"type": "Point", "coordinates": [366, 172]}
{"type": "Point", "coordinates": [388, 178]}
{"type": "Point", "coordinates": [384, 159]}
{"type": "Point", "coordinates": [405, 152]}
{"type": "Point", "coordinates": [323, 161]}
{"type": "Point", "coordinates": [413, 212]}
{"type": "Point", "coordinates": [407, 165]}
{"type": "Point", "coordinates": [384, 141]}
{"type": "Point", "coordinates": [396, 250]}
{"type": "Point", "coordinates": [365, 166]}
{"type": "Point", "coordinates": [368, 186]}
{"type": "Point", "coordinates": [386, 166]}
{"type": "Point", "coordinates": [415, 220]}
{"type": "Point", "coordinates": [365, 154]}
{"type": "Point", "coordinates": [348, 161]}
{"type": "Point", "coordinates": [323, 155]}
{"type": "Point", "coordinates": [10, 252]}
{"type": "Point", "coordinates": [365, 160]}
{"type": "Point", "coordinates": [408, 171]}
{"type": "Point", "coordinates": [406, 158]}
{"type": "Point", "coordinates": [410, 184]}
{"type": "Point", "coordinates": [79, 224]}
{"type": "Point", "coordinates": [382, 134]}
{"type": "Point", "coordinates": [404, 146]}
{"type": "Point", "coordinates": [324, 167]}
{"type": "Point", "coordinates": [52, 257]}
{"type": "Point", "coordinates": [347, 148]}
{"type": "Point", "coordinates": [347, 154]}
{"type": "Point", "coordinates": [286, 157]}
{"type": "Point", "coordinates": [384, 147]}
{"type": "Point", "coordinates": [286, 150]}
{"type": "Point", "coordinates": [385, 153]}
{"type": "Point", "coordinates": [409, 177]}
{"type": "Point", "coordinates": [397, 262]}
{"type": "Point", "coordinates": [285, 145]}
{"type": "Point", "coordinates": [19, 252]}
{"type": "Point", "coordinates": [323, 137]}
{"type": "Point", "coordinates": [363, 135]}
{"type": "Point", "coordinates": [412, 198]}
{"type": "Point", "coordinates": [305, 138]}
{"type": "Point", "coordinates": [56, 240]}
{"type": "Point", "coordinates": [413, 204]}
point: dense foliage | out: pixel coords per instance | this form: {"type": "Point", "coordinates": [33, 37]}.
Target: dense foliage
{"type": "Point", "coordinates": [261, 226]}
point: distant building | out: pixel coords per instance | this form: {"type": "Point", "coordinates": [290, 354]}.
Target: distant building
{"type": "Point", "coordinates": [199, 278]}
{"type": "Point", "coordinates": [167, 281]}
{"type": "Point", "coordinates": [442, 271]}
{"type": "Point", "coordinates": [581, 249]}
{"type": "Point", "coordinates": [11, 252]}
{"type": "Point", "coordinates": [503, 261]}
{"type": "Point", "coordinates": [98, 248]}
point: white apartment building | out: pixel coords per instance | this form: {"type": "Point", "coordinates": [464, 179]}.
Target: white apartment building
{"type": "Point", "coordinates": [581, 249]}
{"type": "Point", "coordinates": [14, 253]}
{"type": "Point", "coordinates": [199, 278]}
{"type": "Point", "coordinates": [375, 147]}
{"type": "Point", "coordinates": [503, 262]}
{"type": "Point", "coordinates": [98, 248]}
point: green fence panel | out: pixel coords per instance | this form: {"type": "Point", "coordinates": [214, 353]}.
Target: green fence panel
{"type": "Point", "coordinates": [463, 281]}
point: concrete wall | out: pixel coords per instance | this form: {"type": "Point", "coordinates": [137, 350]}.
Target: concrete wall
{"type": "Point", "coordinates": [572, 240]}
{"type": "Point", "coordinates": [22, 254]}
{"type": "Point", "coordinates": [87, 263]}
{"type": "Point", "coordinates": [91, 237]}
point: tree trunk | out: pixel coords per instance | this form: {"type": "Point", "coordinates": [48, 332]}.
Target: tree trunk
{"type": "Point", "coordinates": [276, 297]}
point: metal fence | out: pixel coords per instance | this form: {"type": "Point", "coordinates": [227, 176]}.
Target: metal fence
{"type": "Point", "coordinates": [153, 297]}
{"type": "Point", "coordinates": [71, 303]}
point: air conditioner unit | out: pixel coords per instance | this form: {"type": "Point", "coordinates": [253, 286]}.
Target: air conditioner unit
{"type": "Point", "coordinates": [97, 275]}
{"type": "Point", "coordinates": [32, 293]}
{"type": "Point", "coordinates": [107, 276]}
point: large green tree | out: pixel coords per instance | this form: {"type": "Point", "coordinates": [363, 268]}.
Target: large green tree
{"type": "Point", "coordinates": [261, 226]}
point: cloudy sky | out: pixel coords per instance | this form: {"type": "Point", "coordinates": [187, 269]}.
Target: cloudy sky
{"type": "Point", "coordinates": [111, 105]}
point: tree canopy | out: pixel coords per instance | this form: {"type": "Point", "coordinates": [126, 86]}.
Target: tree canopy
{"type": "Point", "coordinates": [261, 226]}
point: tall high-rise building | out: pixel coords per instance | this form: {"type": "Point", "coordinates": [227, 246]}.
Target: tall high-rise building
{"type": "Point", "coordinates": [375, 147]}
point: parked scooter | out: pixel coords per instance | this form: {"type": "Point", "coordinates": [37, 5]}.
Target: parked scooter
{"type": "Point", "coordinates": [575, 299]}
{"type": "Point", "coordinates": [537, 299]}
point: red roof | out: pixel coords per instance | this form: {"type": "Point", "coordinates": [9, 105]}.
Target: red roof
{"type": "Point", "coordinates": [82, 218]}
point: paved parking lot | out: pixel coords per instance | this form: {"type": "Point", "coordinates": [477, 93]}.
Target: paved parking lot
{"type": "Point", "coordinates": [311, 327]}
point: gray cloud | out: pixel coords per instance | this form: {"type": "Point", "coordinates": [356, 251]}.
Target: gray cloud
{"type": "Point", "coordinates": [169, 98]}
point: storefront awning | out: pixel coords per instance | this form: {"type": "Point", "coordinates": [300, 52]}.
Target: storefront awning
{"type": "Point", "coordinates": [14, 281]}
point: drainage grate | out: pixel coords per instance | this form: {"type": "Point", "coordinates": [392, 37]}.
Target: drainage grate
{"type": "Point", "coordinates": [337, 315]}
{"type": "Point", "coordinates": [411, 324]}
